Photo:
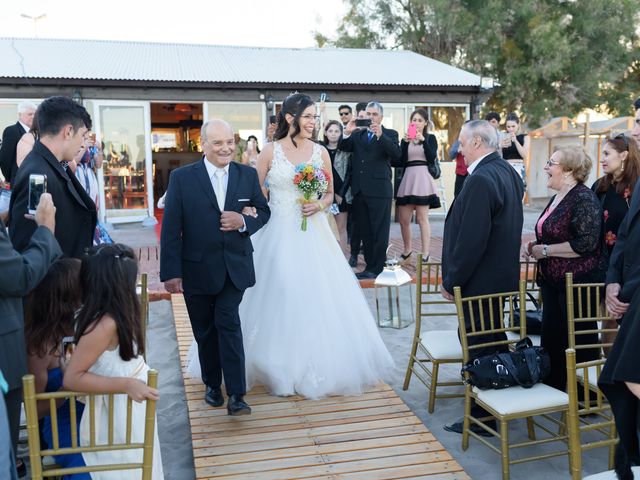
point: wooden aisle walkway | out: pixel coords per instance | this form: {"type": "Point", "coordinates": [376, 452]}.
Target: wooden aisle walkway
{"type": "Point", "coordinates": [373, 436]}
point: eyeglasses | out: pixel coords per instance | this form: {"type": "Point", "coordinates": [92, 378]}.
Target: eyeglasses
{"type": "Point", "coordinates": [344, 114]}
{"type": "Point", "coordinates": [623, 137]}
{"type": "Point", "coordinates": [551, 163]}
{"type": "Point", "coordinates": [315, 118]}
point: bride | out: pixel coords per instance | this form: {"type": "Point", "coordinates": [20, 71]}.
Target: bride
{"type": "Point", "coordinates": [306, 324]}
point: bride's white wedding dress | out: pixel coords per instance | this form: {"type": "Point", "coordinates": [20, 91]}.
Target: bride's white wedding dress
{"type": "Point", "coordinates": [306, 324]}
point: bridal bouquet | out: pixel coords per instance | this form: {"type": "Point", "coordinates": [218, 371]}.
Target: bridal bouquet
{"type": "Point", "coordinates": [312, 182]}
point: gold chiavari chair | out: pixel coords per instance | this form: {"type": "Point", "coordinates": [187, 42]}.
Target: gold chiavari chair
{"type": "Point", "coordinates": [590, 421]}
{"type": "Point", "coordinates": [510, 403]}
{"type": "Point", "coordinates": [33, 435]}
{"type": "Point", "coordinates": [143, 293]}
{"type": "Point", "coordinates": [432, 348]}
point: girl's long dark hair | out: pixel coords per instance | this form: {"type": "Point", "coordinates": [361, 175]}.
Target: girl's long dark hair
{"type": "Point", "coordinates": [51, 306]}
{"type": "Point", "coordinates": [631, 171]}
{"type": "Point", "coordinates": [294, 104]}
{"type": "Point", "coordinates": [108, 275]}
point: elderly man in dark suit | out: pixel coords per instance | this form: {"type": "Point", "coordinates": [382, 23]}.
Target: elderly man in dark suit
{"type": "Point", "coordinates": [20, 274]}
{"type": "Point", "coordinates": [375, 150]}
{"type": "Point", "coordinates": [63, 126]}
{"type": "Point", "coordinates": [483, 230]}
{"type": "Point", "coordinates": [207, 254]}
{"type": "Point", "coordinates": [10, 138]}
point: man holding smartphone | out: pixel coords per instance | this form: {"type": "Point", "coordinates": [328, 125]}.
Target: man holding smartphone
{"type": "Point", "coordinates": [63, 126]}
{"type": "Point", "coordinates": [20, 274]}
{"type": "Point", "coordinates": [375, 150]}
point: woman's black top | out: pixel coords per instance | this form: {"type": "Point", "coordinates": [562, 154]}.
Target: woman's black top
{"type": "Point", "coordinates": [614, 208]}
{"type": "Point", "coordinates": [511, 152]}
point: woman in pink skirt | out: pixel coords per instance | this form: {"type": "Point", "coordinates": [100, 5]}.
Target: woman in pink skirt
{"type": "Point", "coordinates": [417, 189]}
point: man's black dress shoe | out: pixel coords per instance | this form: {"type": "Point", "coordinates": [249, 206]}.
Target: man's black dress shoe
{"type": "Point", "coordinates": [353, 260]}
{"type": "Point", "coordinates": [457, 428]}
{"type": "Point", "coordinates": [237, 406]}
{"type": "Point", "coordinates": [214, 397]}
{"type": "Point", "coordinates": [365, 275]}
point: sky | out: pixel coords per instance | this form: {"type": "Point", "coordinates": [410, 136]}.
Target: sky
{"type": "Point", "coordinates": [264, 23]}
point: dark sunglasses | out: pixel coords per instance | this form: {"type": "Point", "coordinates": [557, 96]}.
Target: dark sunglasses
{"type": "Point", "coordinates": [623, 137]}
{"type": "Point", "coordinates": [342, 114]}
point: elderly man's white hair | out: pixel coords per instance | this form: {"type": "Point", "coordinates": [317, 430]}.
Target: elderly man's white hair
{"type": "Point", "coordinates": [484, 131]}
{"type": "Point", "coordinates": [215, 121]}
{"type": "Point", "coordinates": [26, 106]}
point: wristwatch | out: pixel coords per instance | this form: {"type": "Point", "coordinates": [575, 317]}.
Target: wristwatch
{"type": "Point", "coordinates": [545, 251]}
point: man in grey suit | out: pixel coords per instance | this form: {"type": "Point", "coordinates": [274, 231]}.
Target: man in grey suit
{"type": "Point", "coordinates": [20, 274]}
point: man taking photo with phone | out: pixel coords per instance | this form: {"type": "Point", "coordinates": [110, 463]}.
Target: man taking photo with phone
{"type": "Point", "coordinates": [64, 126]}
{"type": "Point", "coordinates": [375, 150]}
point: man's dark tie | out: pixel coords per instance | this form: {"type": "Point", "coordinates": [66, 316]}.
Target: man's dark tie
{"type": "Point", "coordinates": [370, 136]}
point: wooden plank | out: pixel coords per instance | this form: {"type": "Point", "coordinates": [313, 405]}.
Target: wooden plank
{"type": "Point", "coordinates": [379, 454]}
{"type": "Point", "coordinates": [318, 433]}
{"type": "Point", "coordinates": [431, 462]}
{"type": "Point", "coordinates": [425, 439]}
{"type": "Point", "coordinates": [414, 472]}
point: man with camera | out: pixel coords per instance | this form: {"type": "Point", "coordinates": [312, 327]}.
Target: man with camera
{"type": "Point", "coordinates": [21, 273]}
{"type": "Point", "coordinates": [375, 150]}
{"type": "Point", "coordinates": [64, 126]}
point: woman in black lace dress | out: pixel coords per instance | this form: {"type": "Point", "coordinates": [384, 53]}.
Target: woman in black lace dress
{"type": "Point", "coordinates": [569, 238]}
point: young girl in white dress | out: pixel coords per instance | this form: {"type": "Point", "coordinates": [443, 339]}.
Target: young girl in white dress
{"type": "Point", "coordinates": [108, 357]}
{"type": "Point", "coordinates": [306, 324]}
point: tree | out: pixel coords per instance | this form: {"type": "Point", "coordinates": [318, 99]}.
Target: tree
{"type": "Point", "coordinates": [549, 57]}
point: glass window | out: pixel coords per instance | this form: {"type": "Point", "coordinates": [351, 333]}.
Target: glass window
{"type": "Point", "coordinates": [123, 134]}
{"type": "Point", "coordinates": [8, 115]}
{"type": "Point", "coordinates": [447, 122]}
{"type": "Point", "coordinates": [395, 118]}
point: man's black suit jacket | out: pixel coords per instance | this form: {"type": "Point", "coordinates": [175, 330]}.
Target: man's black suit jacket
{"type": "Point", "coordinates": [76, 214]}
{"type": "Point", "coordinates": [624, 265]}
{"type": "Point", "coordinates": [372, 161]}
{"type": "Point", "coordinates": [10, 138]}
{"type": "Point", "coordinates": [193, 246]}
{"type": "Point", "coordinates": [483, 231]}
{"type": "Point", "coordinates": [20, 275]}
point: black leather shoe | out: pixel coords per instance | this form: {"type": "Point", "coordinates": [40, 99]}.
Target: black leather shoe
{"type": "Point", "coordinates": [365, 275]}
{"type": "Point", "coordinates": [214, 397]}
{"type": "Point", "coordinates": [353, 260]}
{"type": "Point", "coordinates": [457, 428]}
{"type": "Point", "coordinates": [237, 406]}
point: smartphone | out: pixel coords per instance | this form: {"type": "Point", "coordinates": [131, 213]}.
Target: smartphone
{"type": "Point", "coordinates": [363, 122]}
{"type": "Point", "coordinates": [68, 345]}
{"type": "Point", "coordinates": [505, 137]}
{"type": "Point", "coordinates": [323, 97]}
{"type": "Point", "coordinates": [412, 132]}
{"type": "Point", "coordinates": [272, 119]}
{"type": "Point", "coordinates": [5, 200]}
{"type": "Point", "coordinates": [37, 186]}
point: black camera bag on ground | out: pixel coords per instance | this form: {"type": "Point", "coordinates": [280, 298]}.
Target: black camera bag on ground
{"type": "Point", "coordinates": [534, 317]}
{"type": "Point", "coordinates": [525, 366]}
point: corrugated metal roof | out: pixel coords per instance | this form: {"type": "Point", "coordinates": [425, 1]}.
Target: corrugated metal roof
{"type": "Point", "coordinates": [140, 61]}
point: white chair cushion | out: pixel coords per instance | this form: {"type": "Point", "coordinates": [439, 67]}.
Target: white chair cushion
{"type": "Point", "coordinates": [610, 475]}
{"type": "Point", "coordinates": [442, 344]}
{"type": "Point", "coordinates": [517, 399]}
{"type": "Point", "coordinates": [593, 375]}
{"type": "Point", "coordinates": [535, 339]}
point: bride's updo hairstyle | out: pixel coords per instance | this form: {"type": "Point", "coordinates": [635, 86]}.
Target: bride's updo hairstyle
{"type": "Point", "coordinates": [294, 104]}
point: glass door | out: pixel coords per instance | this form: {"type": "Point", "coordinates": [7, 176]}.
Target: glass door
{"type": "Point", "coordinates": [125, 180]}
